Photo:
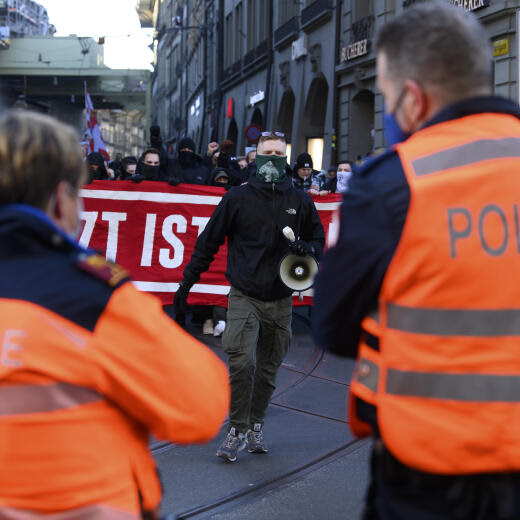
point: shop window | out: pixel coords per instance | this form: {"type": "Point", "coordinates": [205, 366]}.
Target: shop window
{"type": "Point", "coordinates": [363, 8]}
{"type": "Point", "coordinates": [315, 149]}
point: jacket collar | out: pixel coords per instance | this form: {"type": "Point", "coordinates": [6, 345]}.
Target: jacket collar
{"type": "Point", "coordinates": [22, 218]}
{"type": "Point", "coordinates": [258, 184]}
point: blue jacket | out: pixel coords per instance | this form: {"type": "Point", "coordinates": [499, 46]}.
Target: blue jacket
{"type": "Point", "coordinates": [373, 214]}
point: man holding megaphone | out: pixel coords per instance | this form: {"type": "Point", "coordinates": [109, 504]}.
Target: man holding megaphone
{"type": "Point", "coordinates": [258, 332]}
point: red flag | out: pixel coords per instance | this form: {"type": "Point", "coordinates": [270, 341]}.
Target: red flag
{"type": "Point", "coordinates": [93, 132]}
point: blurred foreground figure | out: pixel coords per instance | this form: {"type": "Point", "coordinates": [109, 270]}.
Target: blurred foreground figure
{"type": "Point", "coordinates": [416, 285]}
{"type": "Point", "coordinates": [89, 366]}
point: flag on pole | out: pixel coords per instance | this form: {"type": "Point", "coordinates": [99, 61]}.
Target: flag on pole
{"type": "Point", "coordinates": [93, 132]}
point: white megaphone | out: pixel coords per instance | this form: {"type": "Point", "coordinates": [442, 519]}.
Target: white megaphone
{"type": "Point", "coordinates": [297, 272]}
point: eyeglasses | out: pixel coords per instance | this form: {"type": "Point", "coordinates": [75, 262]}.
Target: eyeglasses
{"type": "Point", "coordinates": [269, 133]}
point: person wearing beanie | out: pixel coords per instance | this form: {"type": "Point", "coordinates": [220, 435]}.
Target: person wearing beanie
{"type": "Point", "coordinates": [220, 177]}
{"type": "Point", "coordinates": [97, 168]}
{"type": "Point", "coordinates": [304, 177]}
{"type": "Point", "coordinates": [188, 167]}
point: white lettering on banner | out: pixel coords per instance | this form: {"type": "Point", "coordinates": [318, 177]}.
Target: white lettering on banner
{"type": "Point", "coordinates": [178, 247]}
{"type": "Point", "coordinates": [8, 345]}
{"type": "Point", "coordinates": [90, 218]}
{"type": "Point", "coordinates": [333, 234]}
{"type": "Point", "coordinates": [149, 236]}
{"type": "Point", "coordinates": [200, 222]}
{"type": "Point", "coordinates": [113, 220]}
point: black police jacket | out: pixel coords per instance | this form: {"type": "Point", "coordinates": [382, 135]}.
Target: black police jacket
{"type": "Point", "coordinates": [252, 217]}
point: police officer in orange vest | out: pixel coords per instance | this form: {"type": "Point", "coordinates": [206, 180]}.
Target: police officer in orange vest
{"type": "Point", "coordinates": [89, 366]}
{"type": "Point", "coordinates": [423, 283]}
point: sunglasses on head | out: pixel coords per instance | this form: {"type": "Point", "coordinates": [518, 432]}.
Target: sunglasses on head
{"type": "Point", "coordinates": [271, 133]}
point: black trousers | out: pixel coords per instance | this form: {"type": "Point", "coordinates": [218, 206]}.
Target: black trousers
{"type": "Point", "coordinates": [398, 492]}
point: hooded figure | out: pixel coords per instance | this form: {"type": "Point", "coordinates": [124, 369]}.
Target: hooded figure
{"type": "Point", "coordinates": [97, 170]}
{"type": "Point", "coordinates": [188, 167]}
{"type": "Point", "coordinates": [220, 178]}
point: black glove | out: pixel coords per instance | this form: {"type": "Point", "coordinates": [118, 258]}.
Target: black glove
{"type": "Point", "coordinates": [173, 181]}
{"type": "Point", "coordinates": [180, 302]}
{"type": "Point", "coordinates": [301, 248]}
{"type": "Point", "coordinates": [136, 177]}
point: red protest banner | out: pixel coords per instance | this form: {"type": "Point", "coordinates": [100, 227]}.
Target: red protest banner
{"type": "Point", "coordinates": [151, 228]}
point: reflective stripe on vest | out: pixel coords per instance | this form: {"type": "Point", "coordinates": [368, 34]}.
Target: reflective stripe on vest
{"type": "Point", "coordinates": [469, 153]}
{"type": "Point", "coordinates": [454, 322]}
{"type": "Point", "coordinates": [24, 399]}
{"type": "Point", "coordinates": [460, 387]}
{"type": "Point", "coordinates": [93, 512]}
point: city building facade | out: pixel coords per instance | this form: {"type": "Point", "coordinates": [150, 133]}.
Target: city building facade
{"type": "Point", "coordinates": [227, 68]}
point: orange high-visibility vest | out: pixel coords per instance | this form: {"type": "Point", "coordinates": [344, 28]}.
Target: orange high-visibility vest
{"type": "Point", "coordinates": [448, 391]}
{"type": "Point", "coordinates": [77, 406]}
{"type": "Point", "coordinates": [365, 375]}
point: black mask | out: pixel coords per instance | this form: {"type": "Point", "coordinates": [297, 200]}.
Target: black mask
{"type": "Point", "coordinates": [186, 158]}
{"type": "Point", "coordinates": [150, 173]}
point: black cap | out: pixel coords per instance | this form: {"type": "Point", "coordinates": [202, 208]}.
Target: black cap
{"type": "Point", "coordinates": [304, 160]}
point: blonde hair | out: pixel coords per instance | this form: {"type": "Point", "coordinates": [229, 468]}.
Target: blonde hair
{"type": "Point", "coordinates": [37, 152]}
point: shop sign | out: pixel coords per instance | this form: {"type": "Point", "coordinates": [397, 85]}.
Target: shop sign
{"type": "Point", "coordinates": [299, 47]}
{"type": "Point", "coordinates": [355, 50]}
{"type": "Point", "coordinates": [500, 47]}
{"type": "Point", "coordinates": [256, 98]}
{"type": "Point", "coordinates": [468, 5]}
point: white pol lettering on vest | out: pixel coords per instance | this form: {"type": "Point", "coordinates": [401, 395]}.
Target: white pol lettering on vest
{"type": "Point", "coordinates": [11, 344]}
{"type": "Point", "coordinates": [493, 226]}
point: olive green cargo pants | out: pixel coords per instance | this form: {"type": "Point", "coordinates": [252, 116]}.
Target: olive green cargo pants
{"type": "Point", "coordinates": [256, 340]}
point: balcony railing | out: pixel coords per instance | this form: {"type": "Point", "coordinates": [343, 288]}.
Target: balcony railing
{"type": "Point", "coordinates": [286, 31]}
{"type": "Point", "coordinates": [315, 11]}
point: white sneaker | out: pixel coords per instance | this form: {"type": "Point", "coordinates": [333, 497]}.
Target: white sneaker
{"type": "Point", "coordinates": [219, 328]}
{"type": "Point", "coordinates": [207, 327]}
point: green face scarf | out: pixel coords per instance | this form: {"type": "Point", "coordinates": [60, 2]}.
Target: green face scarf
{"type": "Point", "coordinates": [271, 168]}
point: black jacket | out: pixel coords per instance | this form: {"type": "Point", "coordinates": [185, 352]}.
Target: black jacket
{"type": "Point", "coordinates": [252, 217]}
{"type": "Point", "coordinates": [195, 173]}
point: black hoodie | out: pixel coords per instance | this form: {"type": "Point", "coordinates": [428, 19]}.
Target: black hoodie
{"type": "Point", "coordinates": [252, 217]}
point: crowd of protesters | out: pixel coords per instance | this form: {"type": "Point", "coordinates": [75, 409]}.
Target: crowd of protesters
{"type": "Point", "coordinates": [218, 166]}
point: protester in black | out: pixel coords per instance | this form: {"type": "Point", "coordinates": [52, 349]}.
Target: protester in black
{"type": "Point", "coordinates": [258, 332]}
{"type": "Point", "coordinates": [188, 166]}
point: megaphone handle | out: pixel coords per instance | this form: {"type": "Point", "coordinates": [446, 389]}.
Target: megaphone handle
{"type": "Point", "coordinates": [300, 297]}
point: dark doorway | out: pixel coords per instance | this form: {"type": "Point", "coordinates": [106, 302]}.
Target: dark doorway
{"type": "Point", "coordinates": [232, 133]}
{"type": "Point", "coordinates": [285, 118]}
{"type": "Point", "coordinates": [316, 108]}
{"type": "Point", "coordinates": [257, 118]}
{"type": "Point", "coordinates": [361, 124]}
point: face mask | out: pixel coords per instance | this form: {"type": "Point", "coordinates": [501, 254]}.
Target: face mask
{"type": "Point", "coordinates": [342, 182]}
{"type": "Point", "coordinates": [271, 168]}
{"type": "Point", "coordinates": [393, 132]}
{"type": "Point", "coordinates": [149, 172]}
{"type": "Point", "coordinates": [186, 157]}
